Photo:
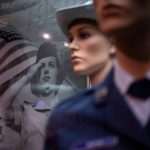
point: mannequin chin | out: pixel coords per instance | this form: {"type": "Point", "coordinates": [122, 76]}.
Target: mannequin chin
{"type": "Point", "coordinates": [3, 21]}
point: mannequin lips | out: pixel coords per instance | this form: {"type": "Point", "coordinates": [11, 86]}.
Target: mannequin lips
{"type": "Point", "coordinates": [76, 59]}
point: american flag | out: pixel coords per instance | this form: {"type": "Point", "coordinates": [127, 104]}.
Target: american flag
{"type": "Point", "coordinates": [17, 54]}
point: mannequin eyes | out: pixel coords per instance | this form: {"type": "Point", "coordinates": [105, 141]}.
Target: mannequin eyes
{"type": "Point", "coordinates": [80, 36]}
{"type": "Point", "coordinates": [84, 35]}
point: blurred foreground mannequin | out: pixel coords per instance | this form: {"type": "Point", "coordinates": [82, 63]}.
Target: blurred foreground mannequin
{"type": "Point", "coordinates": [90, 49]}
{"type": "Point", "coordinates": [114, 115]}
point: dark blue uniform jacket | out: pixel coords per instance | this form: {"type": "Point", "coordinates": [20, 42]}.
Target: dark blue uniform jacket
{"type": "Point", "coordinates": [96, 119]}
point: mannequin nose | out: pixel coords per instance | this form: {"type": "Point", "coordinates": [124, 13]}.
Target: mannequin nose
{"type": "Point", "coordinates": [74, 45]}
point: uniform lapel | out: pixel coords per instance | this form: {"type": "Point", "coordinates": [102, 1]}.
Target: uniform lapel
{"type": "Point", "coordinates": [118, 115]}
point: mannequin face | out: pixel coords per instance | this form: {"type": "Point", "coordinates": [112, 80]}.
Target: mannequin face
{"type": "Point", "coordinates": [114, 15]}
{"type": "Point", "coordinates": [89, 48]}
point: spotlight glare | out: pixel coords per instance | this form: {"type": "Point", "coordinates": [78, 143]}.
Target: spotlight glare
{"type": "Point", "coordinates": [46, 36]}
{"type": "Point", "coordinates": [66, 44]}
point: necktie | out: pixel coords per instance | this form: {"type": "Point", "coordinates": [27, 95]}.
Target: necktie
{"type": "Point", "coordinates": [140, 89]}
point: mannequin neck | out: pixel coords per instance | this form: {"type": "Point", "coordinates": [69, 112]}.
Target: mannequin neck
{"type": "Point", "coordinates": [99, 75]}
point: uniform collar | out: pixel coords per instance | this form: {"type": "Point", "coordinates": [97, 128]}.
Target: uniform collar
{"type": "Point", "coordinates": [123, 79]}
{"type": "Point", "coordinates": [41, 105]}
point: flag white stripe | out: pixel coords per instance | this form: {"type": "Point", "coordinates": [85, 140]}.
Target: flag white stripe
{"type": "Point", "coordinates": [17, 54]}
{"type": "Point", "coordinates": [9, 45]}
{"type": "Point", "coordinates": [9, 74]}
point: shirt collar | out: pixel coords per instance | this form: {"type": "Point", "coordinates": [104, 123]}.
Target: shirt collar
{"type": "Point", "coordinates": [123, 79]}
{"type": "Point", "coordinates": [40, 105]}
